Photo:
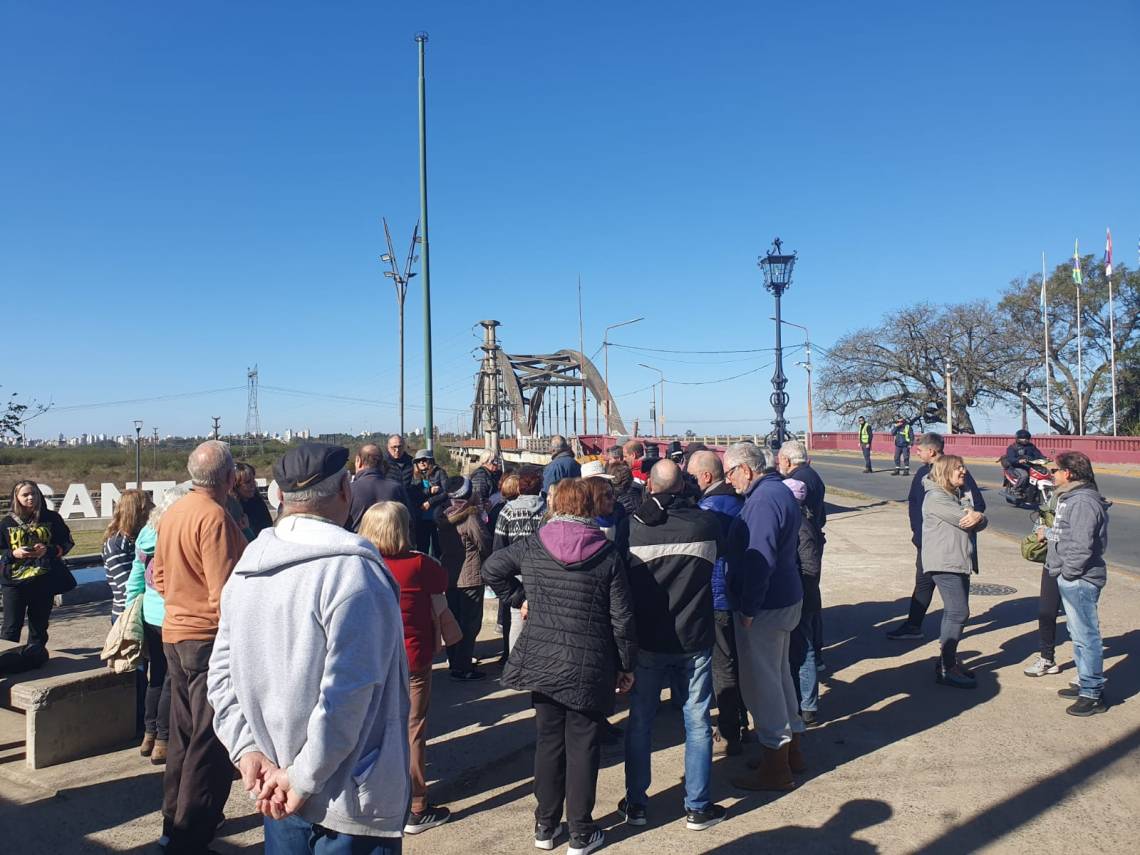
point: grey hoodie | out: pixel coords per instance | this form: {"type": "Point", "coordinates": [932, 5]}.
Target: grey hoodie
{"type": "Point", "coordinates": [946, 548]}
{"type": "Point", "coordinates": [309, 668]}
{"type": "Point", "coordinates": [1078, 538]}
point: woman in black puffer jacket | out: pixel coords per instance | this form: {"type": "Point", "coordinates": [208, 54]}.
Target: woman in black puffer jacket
{"type": "Point", "coordinates": [577, 644]}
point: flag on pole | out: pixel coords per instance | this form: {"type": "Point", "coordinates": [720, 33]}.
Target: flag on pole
{"type": "Point", "coordinates": [1044, 304]}
{"type": "Point", "coordinates": [1077, 261]}
{"type": "Point", "coordinates": [1108, 254]}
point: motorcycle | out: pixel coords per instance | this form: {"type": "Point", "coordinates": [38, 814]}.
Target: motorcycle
{"type": "Point", "coordinates": [1038, 489]}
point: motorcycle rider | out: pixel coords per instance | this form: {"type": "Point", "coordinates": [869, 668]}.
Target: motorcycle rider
{"type": "Point", "coordinates": [1017, 458]}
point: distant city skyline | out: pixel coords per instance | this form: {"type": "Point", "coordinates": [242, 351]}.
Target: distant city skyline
{"type": "Point", "coordinates": [198, 191]}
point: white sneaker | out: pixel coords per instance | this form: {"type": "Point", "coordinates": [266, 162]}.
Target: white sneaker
{"type": "Point", "coordinates": [1041, 667]}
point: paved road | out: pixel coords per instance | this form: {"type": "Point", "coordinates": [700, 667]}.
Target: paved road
{"type": "Point", "coordinates": [846, 471]}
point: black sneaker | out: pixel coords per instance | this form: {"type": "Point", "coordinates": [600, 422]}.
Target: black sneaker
{"type": "Point", "coordinates": [905, 632]}
{"type": "Point", "coordinates": [1069, 692]}
{"type": "Point", "coordinates": [429, 818]}
{"type": "Point", "coordinates": [699, 820]}
{"type": "Point", "coordinates": [544, 837]}
{"type": "Point", "coordinates": [809, 718]}
{"type": "Point", "coordinates": [632, 814]}
{"type": "Point", "coordinates": [1087, 706]}
{"type": "Point", "coordinates": [584, 844]}
{"type": "Point", "coordinates": [468, 676]}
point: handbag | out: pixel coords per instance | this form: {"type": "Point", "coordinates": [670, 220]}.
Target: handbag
{"type": "Point", "coordinates": [1033, 549]}
{"type": "Point", "coordinates": [60, 577]}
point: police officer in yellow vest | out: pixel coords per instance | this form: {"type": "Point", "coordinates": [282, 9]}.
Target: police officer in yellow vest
{"type": "Point", "coordinates": [904, 436]}
{"type": "Point", "coordinates": [865, 436]}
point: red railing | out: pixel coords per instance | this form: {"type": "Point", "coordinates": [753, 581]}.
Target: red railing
{"type": "Point", "coordinates": [1100, 449]}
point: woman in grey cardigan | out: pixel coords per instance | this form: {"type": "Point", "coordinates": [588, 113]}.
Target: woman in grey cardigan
{"type": "Point", "coordinates": [949, 555]}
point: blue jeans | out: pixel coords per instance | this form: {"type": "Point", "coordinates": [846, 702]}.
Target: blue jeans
{"type": "Point", "coordinates": [655, 670]}
{"type": "Point", "coordinates": [1079, 599]}
{"type": "Point", "coordinates": [295, 836]}
{"type": "Point", "coordinates": [805, 655]}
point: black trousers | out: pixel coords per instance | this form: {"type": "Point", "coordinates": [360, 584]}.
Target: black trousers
{"type": "Point", "coordinates": [567, 754]}
{"type": "Point", "coordinates": [902, 455]}
{"type": "Point", "coordinates": [156, 707]}
{"type": "Point", "coordinates": [198, 769]}
{"type": "Point", "coordinates": [32, 599]}
{"type": "Point", "coordinates": [732, 717]}
{"type": "Point", "coordinates": [466, 605]}
{"type": "Point", "coordinates": [1047, 605]}
{"type": "Point", "coordinates": [427, 538]}
{"type": "Point", "coordinates": [923, 593]}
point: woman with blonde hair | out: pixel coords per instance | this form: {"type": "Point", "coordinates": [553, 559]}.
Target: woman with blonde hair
{"type": "Point", "coordinates": [119, 544]}
{"type": "Point", "coordinates": [423, 604]}
{"type": "Point", "coordinates": [949, 555]}
{"type": "Point", "coordinates": [156, 704]}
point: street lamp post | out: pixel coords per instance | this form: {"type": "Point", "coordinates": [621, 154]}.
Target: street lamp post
{"type": "Point", "coordinates": [606, 349]}
{"type": "Point", "coordinates": [138, 452]}
{"type": "Point", "coordinates": [777, 269]}
{"type": "Point", "coordinates": [429, 417]}
{"type": "Point", "coordinates": [661, 397]}
{"type": "Point", "coordinates": [1023, 392]}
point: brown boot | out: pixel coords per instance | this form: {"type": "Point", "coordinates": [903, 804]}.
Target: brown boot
{"type": "Point", "coordinates": [158, 755]}
{"type": "Point", "coordinates": [147, 744]}
{"type": "Point", "coordinates": [724, 748]}
{"type": "Point", "coordinates": [796, 760]}
{"type": "Point", "coordinates": [772, 774]}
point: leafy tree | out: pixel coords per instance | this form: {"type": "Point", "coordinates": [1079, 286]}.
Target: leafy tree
{"type": "Point", "coordinates": [1020, 307]}
{"type": "Point", "coordinates": [900, 366]}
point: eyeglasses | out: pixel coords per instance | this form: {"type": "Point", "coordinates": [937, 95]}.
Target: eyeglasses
{"type": "Point", "coordinates": [1052, 470]}
{"type": "Point", "coordinates": [728, 474]}
{"type": "Point", "coordinates": [396, 445]}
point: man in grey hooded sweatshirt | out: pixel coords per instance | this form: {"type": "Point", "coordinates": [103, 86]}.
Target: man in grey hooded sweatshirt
{"type": "Point", "coordinates": [308, 677]}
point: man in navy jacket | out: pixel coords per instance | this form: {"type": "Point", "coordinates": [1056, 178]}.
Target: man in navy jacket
{"type": "Point", "coordinates": [766, 593]}
{"type": "Point", "coordinates": [369, 486]}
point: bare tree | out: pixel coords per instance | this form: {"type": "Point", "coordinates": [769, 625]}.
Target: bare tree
{"type": "Point", "coordinates": [900, 366]}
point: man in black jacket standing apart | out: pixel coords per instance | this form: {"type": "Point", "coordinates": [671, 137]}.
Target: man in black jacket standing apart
{"type": "Point", "coordinates": [369, 486]}
{"type": "Point", "coordinates": [398, 463]}
{"type": "Point", "coordinates": [672, 545]}
{"type": "Point", "coordinates": [928, 448]}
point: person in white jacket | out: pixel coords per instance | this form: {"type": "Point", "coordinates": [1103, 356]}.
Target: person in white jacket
{"type": "Point", "coordinates": [308, 677]}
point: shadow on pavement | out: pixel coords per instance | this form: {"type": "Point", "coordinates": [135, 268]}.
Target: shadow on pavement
{"type": "Point", "coordinates": [837, 835]}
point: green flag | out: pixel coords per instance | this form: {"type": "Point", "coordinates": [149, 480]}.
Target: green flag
{"type": "Point", "coordinates": [1076, 262]}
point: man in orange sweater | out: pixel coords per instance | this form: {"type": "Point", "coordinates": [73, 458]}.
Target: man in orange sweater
{"type": "Point", "coordinates": [196, 551]}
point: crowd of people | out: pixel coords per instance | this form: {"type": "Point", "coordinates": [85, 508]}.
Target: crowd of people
{"type": "Point", "coordinates": [300, 651]}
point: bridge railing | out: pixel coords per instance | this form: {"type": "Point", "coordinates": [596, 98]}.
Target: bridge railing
{"type": "Point", "coordinates": [1100, 449]}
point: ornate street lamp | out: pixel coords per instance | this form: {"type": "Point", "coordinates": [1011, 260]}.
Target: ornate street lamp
{"type": "Point", "coordinates": [777, 269]}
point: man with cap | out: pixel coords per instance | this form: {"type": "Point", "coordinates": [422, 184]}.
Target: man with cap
{"type": "Point", "coordinates": [464, 541]}
{"type": "Point", "coordinates": [200, 545]}
{"type": "Point", "coordinates": [430, 490]}
{"type": "Point", "coordinates": [309, 678]}
{"type": "Point", "coordinates": [370, 486]}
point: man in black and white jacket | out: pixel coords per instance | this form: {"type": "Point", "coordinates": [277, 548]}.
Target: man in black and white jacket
{"type": "Point", "coordinates": [673, 545]}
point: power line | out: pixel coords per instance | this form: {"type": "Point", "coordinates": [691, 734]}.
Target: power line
{"type": "Point", "coordinates": [126, 401]}
{"type": "Point", "coordinates": [674, 350]}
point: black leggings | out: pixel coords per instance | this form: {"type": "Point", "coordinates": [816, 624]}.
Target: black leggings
{"type": "Point", "coordinates": [955, 591]}
{"type": "Point", "coordinates": [156, 711]}
{"type": "Point", "coordinates": [32, 599]}
{"type": "Point", "coordinates": [1047, 605]}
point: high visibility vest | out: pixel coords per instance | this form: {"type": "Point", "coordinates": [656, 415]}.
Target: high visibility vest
{"type": "Point", "coordinates": [865, 434]}
{"type": "Point", "coordinates": [907, 435]}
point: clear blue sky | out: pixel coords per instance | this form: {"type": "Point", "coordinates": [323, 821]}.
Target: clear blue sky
{"type": "Point", "coordinates": [188, 191]}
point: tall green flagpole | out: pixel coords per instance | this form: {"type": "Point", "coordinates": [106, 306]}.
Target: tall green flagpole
{"type": "Point", "coordinates": [429, 433]}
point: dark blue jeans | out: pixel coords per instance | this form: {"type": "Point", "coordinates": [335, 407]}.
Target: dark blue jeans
{"type": "Point", "coordinates": [295, 836]}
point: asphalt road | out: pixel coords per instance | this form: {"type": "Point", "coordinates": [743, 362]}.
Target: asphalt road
{"type": "Point", "coordinates": [846, 472]}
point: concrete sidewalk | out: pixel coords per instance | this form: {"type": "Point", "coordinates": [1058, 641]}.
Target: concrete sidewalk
{"type": "Point", "coordinates": [900, 765]}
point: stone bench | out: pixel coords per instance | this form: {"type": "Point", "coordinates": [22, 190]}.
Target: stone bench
{"type": "Point", "coordinates": [74, 707]}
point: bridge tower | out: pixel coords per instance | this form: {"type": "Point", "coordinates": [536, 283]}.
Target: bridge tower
{"type": "Point", "coordinates": [488, 414]}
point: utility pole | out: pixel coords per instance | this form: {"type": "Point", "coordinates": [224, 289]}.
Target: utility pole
{"type": "Point", "coordinates": [154, 448]}
{"type": "Point", "coordinates": [606, 350]}
{"type": "Point", "coordinates": [653, 408]}
{"type": "Point", "coordinates": [949, 401]}
{"type": "Point", "coordinates": [807, 367]}
{"type": "Point", "coordinates": [662, 398]}
{"type": "Point", "coordinates": [217, 420]}
{"type": "Point", "coordinates": [429, 436]}
{"type": "Point", "coordinates": [581, 354]}
{"type": "Point", "coordinates": [489, 379]}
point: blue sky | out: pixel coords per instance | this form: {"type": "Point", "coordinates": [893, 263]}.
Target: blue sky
{"type": "Point", "coordinates": [188, 191]}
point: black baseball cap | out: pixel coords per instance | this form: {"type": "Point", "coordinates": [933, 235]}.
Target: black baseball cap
{"type": "Point", "coordinates": [308, 464]}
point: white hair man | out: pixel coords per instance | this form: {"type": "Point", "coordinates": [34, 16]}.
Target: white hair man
{"type": "Point", "coordinates": [320, 734]}
{"type": "Point", "coordinates": [200, 545]}
{"type": "Point", "coordinates": [807, 640]}
{"type": "Point", "coordinates": [719, 498]}
{"type": "Point", "coordinates": [766, 595]}
{"type": "Point", "coordinates": [562, 463]}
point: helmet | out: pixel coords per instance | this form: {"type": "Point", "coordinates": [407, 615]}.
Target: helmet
{"type": "Point", "coordinates": [1023, 434]}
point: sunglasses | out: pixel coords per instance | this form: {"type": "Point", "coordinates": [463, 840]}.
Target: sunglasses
{"type": "Point", "coordinates": [1052, 470]}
